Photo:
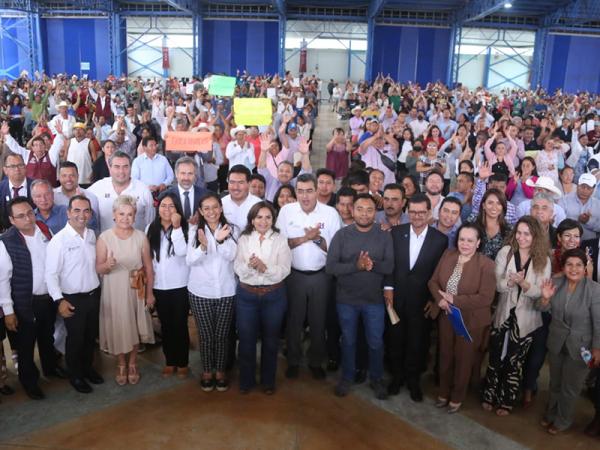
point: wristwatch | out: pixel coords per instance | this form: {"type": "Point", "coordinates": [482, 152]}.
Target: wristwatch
{"type": "Point", "coordinates": [318, 241]}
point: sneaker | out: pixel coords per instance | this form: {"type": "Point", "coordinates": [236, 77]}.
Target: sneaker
{"type": "Point", "coordinates": [379, 389]}
{"type": "Point", "coordinates": [342, 388]}
{"type": "Point", "coordinates": [222, 385]}
{"type": "Point", "coordinates": [207, 385]}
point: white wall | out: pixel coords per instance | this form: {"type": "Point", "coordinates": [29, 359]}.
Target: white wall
{"type": "Point", "coordinates": [331, 64]}
{"type": "Point", "coordinates": [471, 74]}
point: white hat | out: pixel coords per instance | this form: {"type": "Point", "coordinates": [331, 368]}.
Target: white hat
{"type": "Point", "coordinates": [587, 178]}
{"type": "Point", "coordinates": [356, 108]}
{"type": "Point", "coordinates": [62, 104]}
{"type": "Point", "coordinates": [544, 183]}
{"type": "Point", "coordinates": [205, 127]}
{"type": "Point", "coordinates": [236, 130]}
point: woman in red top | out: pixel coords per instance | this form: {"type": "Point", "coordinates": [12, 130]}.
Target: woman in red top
{"type": "Point", "coordinates": [434, 134]}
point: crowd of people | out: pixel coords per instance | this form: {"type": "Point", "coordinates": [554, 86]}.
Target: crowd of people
{"type": "Point", "coordinates": [450, 229]}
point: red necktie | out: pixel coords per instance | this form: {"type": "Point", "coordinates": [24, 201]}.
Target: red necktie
{"type": "Point", "coordinates": [16, 191]}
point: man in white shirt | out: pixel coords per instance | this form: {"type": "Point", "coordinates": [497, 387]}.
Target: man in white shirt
{"type": "Point", "coordinates": [66, 121]}
{"type": "Point", "coordinates": [419, 126]}
{"type": "Point", "coordinates": [580, 205]}
{"type": "Point", "coordinates": [28, 309]}
{"type": "Point", "coordinates": [239, 151]}
{"type": "Point", "coordinates": [120, 182]}
{"type": "Point", "coordinates": [151, 168]}
{"type": "Point", "coordinates": [237, 204]}
{"type": "Point", "coordinates": [82, 153]}
{"type": "Point", "coordinates": [434, 185]}
{"type": "Point", "coordinates": [309, 227]}
{"type": "Point", "coordinates": [73, 284]}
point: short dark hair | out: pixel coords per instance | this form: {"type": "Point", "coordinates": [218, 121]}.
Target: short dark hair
{"type": "Point", "coordinates": [254, 212]}
{"type": "Point", "coordinates": [17, 201]}
{"type": "Point", "coordinates": [79, 197]}
{"type": "Point", "coordinates": [358, 177]}
{"type": "Point", "coordinates": [241, 169]}
{"type": "Point", "coordinates": [451, 200]}
{"type": "Point", "coordinates": [68, 165]}
{"type": "Point", "coordinates": [327, 172]}
{"type": "Point", "coordinates": [148, 139]}
{"type": "Point", "coordinates": [469, 225]}
{"type": "Point", "coordinates": [469, 175]}
{"type": "Point", "coordinates": [394, 187]}
{"type": "Point", "coordinates": [118, 154]}
{"type": "Point", "coordinates": [434, 172]}
{"type": "Point", "coordinates": [306, 178]}
{"type": "Point", "coordinates": [259, 177]}
{"type": "Point", "coordinates": [569, 224]}
{"type": "Point", "coordinates": [419, 197]}
{"type": "Point", "coordinates": [499, 177]}
{"type": "Point", "coordinates": [12, 155]}
{"type": "Point", "coordinates": [365, 197]}
{"type": "Point", "coordinates": [573, 253]}
{"type": "Point", "coordinates": [345, 191]}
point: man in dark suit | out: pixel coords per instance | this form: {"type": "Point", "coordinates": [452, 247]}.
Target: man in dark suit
{"type": "Point", "coordinates": [186, 170]}
{"type": "Point", "coordinates": [417, 250]}
{"type": "Point", "coordinates": [15, 184]}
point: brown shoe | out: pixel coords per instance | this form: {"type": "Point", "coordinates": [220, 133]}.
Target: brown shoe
{"type": "Point", "coordinates": [168, 371]}
{"type": "Point", "coordinates": [183, 372]}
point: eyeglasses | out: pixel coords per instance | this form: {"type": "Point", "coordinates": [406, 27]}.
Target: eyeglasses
{"type": "Point", "coordinates": [16, 166]}
{"type": "Point", "coordinates": [29, 213]}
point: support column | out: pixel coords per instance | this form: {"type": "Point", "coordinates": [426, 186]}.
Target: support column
{"type": "Point", "coordinates": [486, 67]}
{"type": "Point", "coordinates": [36, 52]}
{"type": "Point", "coordinates": [349, 59]}
{"type": "Point", "coordinates": [282, 28]}
{"type": "Point", "coordinates": [537, 64]}
{"type": "Point", "coordinates": [116, 40]}
{"type": "Point", "coordinates": [452, 54]}
{"type": "Point", "coordinates": [198, 28]}
{"type": "Point", "coordinates": [370, 44]}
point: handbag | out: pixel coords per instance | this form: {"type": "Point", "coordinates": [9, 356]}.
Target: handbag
{"type": "Point", "coordinates": [387, 161]}
{"type": "Point", "coordinates": [137, 281]}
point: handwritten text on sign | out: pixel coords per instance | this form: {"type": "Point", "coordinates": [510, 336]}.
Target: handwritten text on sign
{"type": "Point", "coordinates": [185, 141]}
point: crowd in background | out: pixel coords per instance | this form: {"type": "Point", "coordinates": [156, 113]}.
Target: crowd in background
{"type": "Point", "coordinates": [434, 202]}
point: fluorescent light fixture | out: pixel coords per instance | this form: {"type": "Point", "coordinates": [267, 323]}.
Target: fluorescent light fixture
{"type": "Point", "coordinates": [507, 5]}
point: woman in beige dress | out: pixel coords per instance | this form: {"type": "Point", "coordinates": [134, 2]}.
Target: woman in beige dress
{"type": "Point", "coordinates": [124, 318]}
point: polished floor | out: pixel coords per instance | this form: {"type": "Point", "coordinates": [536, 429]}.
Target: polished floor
{"type": "Point", "coordinates": [303, 414]}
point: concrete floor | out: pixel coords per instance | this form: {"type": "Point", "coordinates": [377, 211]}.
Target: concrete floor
{"type": "Point", "coordinates": [303, 414]}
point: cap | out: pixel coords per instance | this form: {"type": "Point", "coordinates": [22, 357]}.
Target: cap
{"type": "Point", "coordinates": [588, 179]}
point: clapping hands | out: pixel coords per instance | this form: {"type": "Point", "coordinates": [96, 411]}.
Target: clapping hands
{"type": "Point", "coordinates": [364, 262]}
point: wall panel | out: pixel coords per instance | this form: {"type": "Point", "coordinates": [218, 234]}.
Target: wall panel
{"type": "Point", "coordinates": [231, 45]}
{"type": "Point", "coordinates": [14, 47]}
{"type": "Point", "coordinates": [411, 53]}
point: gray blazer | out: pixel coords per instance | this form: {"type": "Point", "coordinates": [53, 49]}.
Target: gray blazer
{"type": "Point", "coordinates": [574, 324]}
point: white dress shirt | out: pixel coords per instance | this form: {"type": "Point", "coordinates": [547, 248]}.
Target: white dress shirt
{"type": "Point", "coordinates": [171, 272]}
{"type": "Point", "coordinates": [241, 155]}
{"type": "Point", "coordinates": [292, 221]}
{"type": "Point", "coordinates": [152, 171]}
{"type": "Point", "coordinates": [211, 270]}
{"type": "Point", "coordinates": [105, 192]}
{"type": "Point", "coordinates": [36, 245]}
{"type": "Point", "coordinates": [415, 245]}
{"type": "Point", "coordinates": [71, 263]}
{"type": "Point", "coordinates": [238, 214]}
{"type": "Point", "coordinates": [22, 189]}
{"type": "Point", "coordinates": [273, 251]}
{"type": "Point", "coordinates": [60, 198]}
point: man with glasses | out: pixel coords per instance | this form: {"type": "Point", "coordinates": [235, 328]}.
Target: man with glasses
{"type": "Point", "coordinates": [417, 250]}
{"type": "Point", "coordinates": [29, 310]}
{"type": "Point", "coordinates": [14, 185]}
{"type": "Point", "coordinates": [309, 227]}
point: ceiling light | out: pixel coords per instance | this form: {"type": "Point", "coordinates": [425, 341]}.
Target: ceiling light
{"type": "Point", "coordinates": [507, 5]}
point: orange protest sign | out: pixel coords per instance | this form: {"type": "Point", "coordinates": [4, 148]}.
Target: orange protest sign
{"type": "Point", "coordinates": [186, 141]}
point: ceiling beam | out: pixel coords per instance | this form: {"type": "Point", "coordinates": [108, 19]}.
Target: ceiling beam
{"type": "Point", "coordinates": [576, 11]}
{"type": "Point", "coordinates": [187, 6]}
{"type": "Point", "coordinates": [280, 6]}
{"type": "Point", "coordinates": [478, 9]}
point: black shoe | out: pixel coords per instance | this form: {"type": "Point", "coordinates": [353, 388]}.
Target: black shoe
{"type": "Point", "coordinates": [332, 365]}
{"type": "Point", "coordinates": [81, 385]}
{"type": "Point", "coordinates": [35, 393]}
{"type": "Point", "coordinates": [94, 377]}
{"type": "Point", "coordinates": [394, 386]}
{"type": "Point", "coordinates": [6, 390]}
{"type": "Point", "coordinates": [379, 390]}
{"type": "Point", "coordinates": [222, 385]}
{"type": "Point", "coordinates": [416, 394]}
{"type": "Point", "coordinates": [58, 372]}
{"type": "Point", "coordinates": [207, 385]}
{"type": "Point", "coordinates": [292, 372]}
{"type": "Point", "coordinates": [318, 373]}
{"type": "Point", "coordinates": [360, 376]}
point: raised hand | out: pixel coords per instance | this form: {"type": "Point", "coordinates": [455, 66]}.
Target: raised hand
{"type": "Point", "coordinates": [202, 238]}
{"type": "Point", "coordinates": [111, 262]}
{"type": "Point", "coordinates": [304, 146]}
{"type": "Point", "coordinates": [265, 142]}
{"type": "Point", "coordinates": [548, 289]}
{"type": "Point", "coordinates": [5, 129]}
{"type": "Point", "coordinates": [175, 220]}
{"type": "Point", "coordinates": [223, 232]}
{"type": "Point", "coordinates": [485, 170]}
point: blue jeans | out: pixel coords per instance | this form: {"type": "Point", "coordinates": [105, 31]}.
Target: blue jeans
{"type": "Point", "coordinates": [373, 319]}
{"type": "Point", "coordinates": [259, 316]}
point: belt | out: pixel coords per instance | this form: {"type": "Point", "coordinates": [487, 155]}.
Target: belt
{"type": "Point", "coordinates": [261, 289]}
{"type": "Point", "coordinates": [84, 294]}
{"type": "Point", "coordinates": [41, 297]}
{"type": "Point", "coordinates": [309, 272]}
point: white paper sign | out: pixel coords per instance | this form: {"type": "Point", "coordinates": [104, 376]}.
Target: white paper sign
{"type": "Point", "coordinates": [271, 93]}
{"type": "Point", "coordinates": [300, 103]}
{"type": "Point", "coordinates": [180, 109]}
{"type": "Point", "coordinates": [84, 66]}
{"type": "Point", "coordinates": [296, 82]}
{"type": "Point", "coordinates": [189, 89]}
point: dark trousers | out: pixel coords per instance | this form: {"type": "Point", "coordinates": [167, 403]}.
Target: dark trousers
{"type": "Point", "coordinates": [307, 298]}
{"type": "Point", "coordinates": [173, 307]}
{"type": "Point", "coordinates": [373, 317]}
{"type": "Point", "coordinates": [42, 331]}
{"type": "Point", "coordinates": [82, 332]}
{"type": "Point", "coordinates": [407, 342]}
{"type": "Point", "coordinates": [596, 392]}
{"type": "Point", "coordinates": [259, 315]}
{"type": "Point", "coordinates": [537, 354]}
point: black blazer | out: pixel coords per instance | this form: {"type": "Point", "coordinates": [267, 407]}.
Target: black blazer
{"type": "Point", "coordinates": [410, 285]}
{"type": "Point", "coordinates": [198, 194]}
{"type": "Point", "coordinates": [592, 244]}
{"type": "Point", "coordinates": [5, 197]}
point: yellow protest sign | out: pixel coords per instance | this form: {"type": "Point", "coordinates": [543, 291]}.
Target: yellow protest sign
{"type": "Point", "coordinates": [186, 141]}
{"type": "Point", "coordinates": [252, 111]}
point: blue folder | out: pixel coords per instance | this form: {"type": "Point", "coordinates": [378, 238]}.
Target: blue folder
{"type": "Point", "coordinates": [456, 319]}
